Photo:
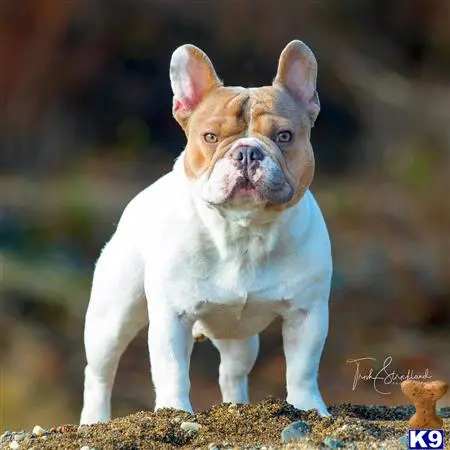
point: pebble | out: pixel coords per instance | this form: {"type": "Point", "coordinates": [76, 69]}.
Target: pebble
{"type": "Point", "coordinates": [85, 447]}
{"type": "Point", "coordinates": [213, 446]}
{"type": "Point", "coordinates": [38, 431]}
{"type": "Point", "coordinates": [5, 435]}
{"type": "Point", "coordinates": [19, 436]}
{"type": "Point", "coordinates": [14, 445]}
{"type": "Point", "coordinates": [444, 411]}
{"type": "Point", "coordinates": [332, 443]}
{"type": "Point", "coordinates": [404, 440]}
{"type": "Point", "coordinates": [295, 430]}
{"type": "Point", "coordinates": [190, 427]}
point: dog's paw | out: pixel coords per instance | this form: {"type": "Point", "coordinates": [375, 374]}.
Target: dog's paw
{"type": "Point", "coordinates": [309, 403]}
{"type": "Point", "coordinates": [324, 413]}
{"type": "Point", "coordinates": [93, 417]}
{"type": "Point", "coordinates": [181, 406]}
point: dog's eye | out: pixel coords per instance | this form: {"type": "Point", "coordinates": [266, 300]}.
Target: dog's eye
{"type": "Point", "coordinates": [210, 138]}
{"type": "Point", "coordinates": [284, 136]}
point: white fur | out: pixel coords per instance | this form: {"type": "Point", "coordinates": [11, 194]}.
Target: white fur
{"type": "Point", "coordinates": [181, 80]}
{"type": "Point", "coordinates": [228, 271]}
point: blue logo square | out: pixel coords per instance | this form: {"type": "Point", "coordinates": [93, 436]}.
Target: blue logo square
{"type": "Point", "coordinates": [429, 439]}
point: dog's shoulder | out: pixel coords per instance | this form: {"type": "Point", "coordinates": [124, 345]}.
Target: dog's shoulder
{"type": "Point", "coordinates": [156, 203]}
{"type": "Point", "coordinates": [309, 238]}
{"type": "Point", "coordinates": [307, 225]}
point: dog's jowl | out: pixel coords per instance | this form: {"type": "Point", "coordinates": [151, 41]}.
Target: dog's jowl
{"type": "Point", "coordinates": [219, 247]}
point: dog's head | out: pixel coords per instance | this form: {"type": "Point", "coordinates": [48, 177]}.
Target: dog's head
{"type": "Point", "coordinates": [247, 147]}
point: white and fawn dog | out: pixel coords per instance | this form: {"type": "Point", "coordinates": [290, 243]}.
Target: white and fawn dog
{"type": "Point", "coordinates": [219, 247]}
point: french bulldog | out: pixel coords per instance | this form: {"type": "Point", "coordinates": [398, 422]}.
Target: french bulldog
{"type": "Point", "coordinates": [219, 247]}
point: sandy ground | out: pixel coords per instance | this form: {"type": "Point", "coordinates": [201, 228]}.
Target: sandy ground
{"type": "Point", "coordinates": [228, 426]}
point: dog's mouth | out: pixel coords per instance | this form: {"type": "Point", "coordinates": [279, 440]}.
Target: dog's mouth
{"type": "Point", "coordinates": [243, 188]}
{"type": "Point", "coordinates": [254, 186]}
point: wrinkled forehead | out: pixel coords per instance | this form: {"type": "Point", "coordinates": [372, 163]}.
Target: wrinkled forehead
{"type": "Point", "coordinates": [249, 104]}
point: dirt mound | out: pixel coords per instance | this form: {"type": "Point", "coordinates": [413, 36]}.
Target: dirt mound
{"type": "Point", "coordinates": [229, 426]}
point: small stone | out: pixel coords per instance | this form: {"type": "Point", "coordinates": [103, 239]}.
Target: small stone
{"type": "Point", "coordinates": [14, 445]}
{"type": "Point", "coordinates": [85, 447]}
{"type": "Point", "coordinates": [19, 436]}
{"type": "Point", "coordinates": [404, 440]}
{"type": "Point", "coordinates": [38, 431]}
{"type": "Point", "coordinates": [295, 430]}
{"type": "Point", "coordinates": [5, 435]}
{"type": "Point", "coordinates": [332, 443]}
{"type": "Point", "coordinates": [444, 411]}
{"type": "Point", "coordinates": [190, 428]}
{"type": "Point", "coordinates": [213, 446]}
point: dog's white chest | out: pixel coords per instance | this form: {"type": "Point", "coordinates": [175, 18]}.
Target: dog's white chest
{"type": "Point", "coordinates": [234, 280]}
{"type": "Point", "coordinates": [239, 297]}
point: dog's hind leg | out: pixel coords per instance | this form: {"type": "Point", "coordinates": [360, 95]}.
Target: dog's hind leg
{"type": "Point", "coordinates": [116, 312]}
{"type": "Point", "coordinates": [237, 357]}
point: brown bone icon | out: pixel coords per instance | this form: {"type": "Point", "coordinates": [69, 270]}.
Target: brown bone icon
{"type": "Point", "coordinates": [424, 395]}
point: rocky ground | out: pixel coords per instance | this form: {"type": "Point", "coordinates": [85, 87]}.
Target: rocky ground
{"type": "Point", "coordinates": [268, 424]}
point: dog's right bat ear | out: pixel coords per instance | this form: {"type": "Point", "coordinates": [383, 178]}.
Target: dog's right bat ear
{"type": "Point", "coordinates": [297, 72]}
{"type": "Point", "coordinates": [192, 76]}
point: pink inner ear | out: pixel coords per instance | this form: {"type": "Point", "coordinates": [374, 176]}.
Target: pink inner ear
{"type": "Point", "coordinates": [193, 89]}
{"type": "Point", "coordinates": [178, 106]}
{"type": "Point", "coordinates": [299, 80]}
{"type": "Point", "coordinates": [185, 105]}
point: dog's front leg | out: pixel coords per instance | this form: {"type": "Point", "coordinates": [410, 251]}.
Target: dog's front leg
{"type": "Point", "coordinates": [170, 344]}
{"type": "Point", "coordinates": [304, 335]}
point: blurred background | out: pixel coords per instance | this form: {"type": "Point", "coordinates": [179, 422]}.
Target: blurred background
{"type": "Point", "coordinates": [85, 124]}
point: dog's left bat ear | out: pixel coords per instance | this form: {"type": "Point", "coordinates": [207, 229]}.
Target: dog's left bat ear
{"type": "Point", "coordinates": [297, 72]}
{"type": "Point", "coordinates": [192, 77]}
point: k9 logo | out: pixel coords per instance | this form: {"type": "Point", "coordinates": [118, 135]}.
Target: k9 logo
{"type": "Point", "coordinates": [418, 439]}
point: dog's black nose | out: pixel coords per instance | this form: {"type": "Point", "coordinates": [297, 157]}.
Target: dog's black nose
{"type": "Point", "coordinates": [247, 154]}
